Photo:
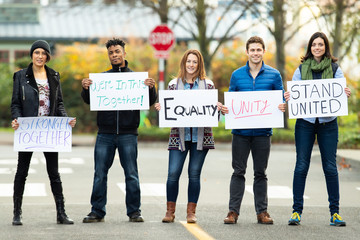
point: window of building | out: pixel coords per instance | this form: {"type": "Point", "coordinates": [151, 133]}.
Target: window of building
{"type": "Point", "coordinates": [4, 56]}
{"type": "Point", "coordinates": [21, 53]}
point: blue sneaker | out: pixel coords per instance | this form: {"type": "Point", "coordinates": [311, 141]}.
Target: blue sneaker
{"type": "Point", "coordinates": [295, 219]}
{"type": "Point", "coordinates": [336, 220]}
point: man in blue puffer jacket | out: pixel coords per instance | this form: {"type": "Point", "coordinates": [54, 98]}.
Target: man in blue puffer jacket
{"type": "Point", "coordinates": [254, 76]}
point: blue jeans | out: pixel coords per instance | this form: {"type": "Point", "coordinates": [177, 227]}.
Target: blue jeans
{"type": "Point", "coordinates": [327, 138]}
{"type": "Point", "coordinates": [176, 163]}
{"type": "Point", "coordinates": [105, 148]}
{"type": "Point", "coordinates": [260, 151]}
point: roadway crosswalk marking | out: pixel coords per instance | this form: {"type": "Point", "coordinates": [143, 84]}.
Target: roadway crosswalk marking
{"type": "Point", "coordinates": [12, 171]}
{"type": "Point", "coordinates": [31, 190]}
{"type": "Point", "coordinates": [148, 189]}
{"type": "Point", "coordinates": [66, 170]}
{"type": "Point", "coordinates": [276, 192]}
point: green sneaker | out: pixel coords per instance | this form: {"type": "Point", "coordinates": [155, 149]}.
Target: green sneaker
{"type": "Point", "coordinates": [295, 219]}
{"type": "Point", "coordinates": [336, 220]}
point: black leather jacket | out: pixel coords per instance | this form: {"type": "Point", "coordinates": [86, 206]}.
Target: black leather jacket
{"type": "Point", "coordinates": [119, 122]}
{"type": "Point", "coordinates": [25, 97]}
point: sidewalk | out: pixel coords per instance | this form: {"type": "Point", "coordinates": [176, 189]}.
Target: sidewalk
{"type": "Point", "coordinates": [347, 158]}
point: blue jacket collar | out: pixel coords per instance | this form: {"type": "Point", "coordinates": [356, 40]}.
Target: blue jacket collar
{"type": "Point", "coordinates": [248, 67]}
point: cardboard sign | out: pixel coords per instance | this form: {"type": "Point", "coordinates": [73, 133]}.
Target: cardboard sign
{"type": "Point", "coordinates": [119, 91]}
{"type": "Point", "coordinates": [317, 98]}
{"type": "Point", "coordinates": [184, 108]}
{"type": "Point", "coordinates": [255, 109]}
{"type": "Point", "coordinates": [43, 134]}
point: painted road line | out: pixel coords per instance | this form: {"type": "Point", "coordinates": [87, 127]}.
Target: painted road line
{"type": "Point", "coordinates": [31, 190]}
{"type": "Point", "coordinates": [276, 192]}
{"type": "Point", "coordinates": [148, 189]}
{"type": "Point", "coordinates": [196, 231]}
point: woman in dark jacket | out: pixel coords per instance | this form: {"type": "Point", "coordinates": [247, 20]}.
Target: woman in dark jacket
{"type": "Point", "coordinates": [318, 63]}
{"type": "Point", "coordinates": [37, 92]}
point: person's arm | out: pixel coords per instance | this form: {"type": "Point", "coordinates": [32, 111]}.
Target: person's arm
{"type": "Point", "coordinates": [16, 105]}
{"type": "Point", "coordinates": [85, 94]}
{"type": "Point", "coordinates": [59, 101]}
{"type": "Point", "coordinates": [279, 86]}
{"type": "Point", "coordinates": [339, 73]}
{"type": "Point", "coordinates": [296, 75]}
{"type": "Point", "coordinates": [152, 95]}
{"type": "Point", "coordinates": [232, 87]}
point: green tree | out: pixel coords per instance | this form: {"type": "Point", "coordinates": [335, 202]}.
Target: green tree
{"type": "Point", "coordinates": [6, 83]}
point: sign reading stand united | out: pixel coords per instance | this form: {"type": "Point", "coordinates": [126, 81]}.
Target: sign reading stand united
{"type": "Point", "coordinates": [119, 91]}
{"type": "Point", "coordinates": [184, 108]}
{"type": "Point", "coordinates": [43, 134]}
{"type": "Point", "coordinates": [317, 98]}
{"type": "Point", "coordinates": [254, 109]}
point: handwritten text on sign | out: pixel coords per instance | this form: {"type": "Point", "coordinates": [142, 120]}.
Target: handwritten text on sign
{"type": "Point", "coordinates": [184, 108]}
{"type": "Point", "coordinates": [43, 134]}
{"type": "Point", "coordinates": [255, 109]}
{"type": "Point", "coordinates": [317, 98]}
{"type": "Point", "coordinates": [118, 91]}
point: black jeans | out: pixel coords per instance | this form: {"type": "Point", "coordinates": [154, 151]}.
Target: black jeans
{"type": "Point", "coordinates": [260, 150]}
{"type": "Point", "coordinates": [52, 166]}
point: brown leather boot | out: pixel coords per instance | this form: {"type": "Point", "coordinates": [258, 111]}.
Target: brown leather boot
{"type": "Point", "coordinates": [231, 218]}
{"type": "Point", "coordinates": [191, 218]}
{"type": "Point", "coordinates": [170, 213]}
{"type": "Point", "coordinates": [264, 218]}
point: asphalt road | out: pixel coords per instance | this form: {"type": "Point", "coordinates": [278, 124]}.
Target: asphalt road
{"type": "Point", "coordinates": [39, 215]}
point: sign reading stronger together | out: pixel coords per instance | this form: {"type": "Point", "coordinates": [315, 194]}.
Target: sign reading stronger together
{"type": "Point", "coordinates": [119, 91]}
{"type": "Point", "coordinates": [43, 134]}
{"type": "Point", "coordinates": [317, 98]}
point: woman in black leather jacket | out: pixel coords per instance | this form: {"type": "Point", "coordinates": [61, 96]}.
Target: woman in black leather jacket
{"type": "Point", "coordinates": [37, 92]}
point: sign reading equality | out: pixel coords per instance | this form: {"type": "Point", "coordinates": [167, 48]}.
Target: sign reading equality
{"type": "Point", "coordinates": [254, 109]}
{"type": "Point", "coordinates": [119, 91]}
{"type": "Point", "coordinates": [43, 134]}
{"type": "Point", "coordinates": [184, 108]}
{"type": "Point", "coordinates": [317, 98]}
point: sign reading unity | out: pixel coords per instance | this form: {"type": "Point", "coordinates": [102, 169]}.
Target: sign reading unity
{"type": "Point", "coordinates": [118, 91]}
{"type": "Point", "coordinates": [254, 109]}
{"type": "Point", "coordinates": [183, 108]}
{"type": "Point", "coordinates": [317, 98]}
{"type": "Point", "coordinates": [43, 134]}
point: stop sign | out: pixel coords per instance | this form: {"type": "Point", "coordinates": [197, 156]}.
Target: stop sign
{"type": "Point", "coordinates": [162, 39]}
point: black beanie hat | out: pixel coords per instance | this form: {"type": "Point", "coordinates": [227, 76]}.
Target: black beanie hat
{"type": "Point", "coordinates": [40, 44]}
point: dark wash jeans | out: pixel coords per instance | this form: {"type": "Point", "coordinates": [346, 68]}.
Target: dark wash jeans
{"type": "Point", "coordinates": [105, 148]}
{"type": "Point", "coordinates": [260, 150]}
{"type": "Point", "coordinates": [327, 138]}
{"type": "Point", "coordinates": [52, 167]}
{"type": "Point", "coordinates": [176, 164]}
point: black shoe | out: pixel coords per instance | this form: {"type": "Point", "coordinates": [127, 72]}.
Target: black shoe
{"type": "Point", "coordinates": [93, 217]}
{"type": "Point", "coordinates": [136, 217]}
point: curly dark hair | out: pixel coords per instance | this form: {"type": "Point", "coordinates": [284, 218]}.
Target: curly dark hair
{"type": "Point", "coordinates": [114, 42]}
{"type": "Point", "coordinates": [255, 39]}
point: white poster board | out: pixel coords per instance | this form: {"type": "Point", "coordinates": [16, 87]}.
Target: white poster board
{"type": "Point", "coordinates": [254, 109]}
{"type": "Point", "coordinates": [317, 98]}
{"type": "Point", "coordinates": [184, 108]}
{"type": "Point", "coordinates": [119, 91]}
{"type": "Point", "coordinates": [43, 134]}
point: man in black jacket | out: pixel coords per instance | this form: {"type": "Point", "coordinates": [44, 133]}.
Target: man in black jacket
{"type": "Point", "coordinates": [117, 129]}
